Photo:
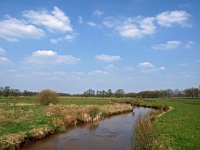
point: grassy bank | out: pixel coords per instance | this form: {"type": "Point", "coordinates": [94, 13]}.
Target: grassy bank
{"type": "Point", "coordinates": [179, 127]}
{"type": "Point", "coordinates": [24, 120]}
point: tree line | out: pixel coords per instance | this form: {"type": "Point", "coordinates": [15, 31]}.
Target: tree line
{"type": "Point", "coordinates": [167, 93]}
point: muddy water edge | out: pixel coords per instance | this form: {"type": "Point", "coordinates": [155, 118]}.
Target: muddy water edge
{"type": "Point", "coordinates": [114, 133]}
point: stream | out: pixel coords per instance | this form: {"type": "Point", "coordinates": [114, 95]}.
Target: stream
{"type": "Point", "coordinates": [114, 133]}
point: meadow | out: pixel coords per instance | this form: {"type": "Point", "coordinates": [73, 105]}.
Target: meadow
{"type": "Point", "coordinates": [23, 119]}
{"type": "Point", "coordinates": [181, 126]}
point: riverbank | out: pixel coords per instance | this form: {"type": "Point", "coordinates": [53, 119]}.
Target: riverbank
{"type": "Point", "coordinates": [179, 128]}
{"type": "Point", "coordinates": [111, 133]}
{"type": "Point", "coordinates": [20, 123]}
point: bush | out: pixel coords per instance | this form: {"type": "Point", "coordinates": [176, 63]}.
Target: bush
{"type": "Point", "coordinates": [93, 112]}
{"type": "Point", "coordinates": [47, 97]}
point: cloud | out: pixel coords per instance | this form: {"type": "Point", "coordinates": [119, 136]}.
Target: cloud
{"type": "Point", "coordinates": [111, 67]}
{"type": "Point", "coordinates": [48, 53]}
{"type": "Point", "coordinates": [57, 40]}
{"type": "Point", "coordinates": [13, 29]}
{"type": "Point", "coordinates": [110, 22]}
{"type": "Point", "coordinates": [2, 52]}
{"type": "Point", "coordinates": [91, 23]}
{"type": "Point", "coordinates": [146, 66]}
{"type": "Point", "coordinates": [97, 72]}
{"type": "Point", "coordinates": [138, 27]}
{"type": "Point", "coordinates": [133, 28]}
{"type": "Point", "coordinates": [107, 58]}
{"type": "Point", "coordinates": [80, 19]}
{"type": "Point", "coordinates": [70, 37]}
{"type": "Point", "coordinates": [50, 57]}
{"type": "Point", "coordinates": [169, 45]}
{"type": "Point", "coordinates": [3, 58]}
{"type": "Point", "coordinates": [67, 37]}
{"type": "Point", "coordinates": [98, 13]}
{"type": "Point", "coordinates": [189, 44]}
{"type": "Point", "coordinates": [162, 68]}
{"type": "Point", "coordinates": [54, 21]}
{"type": "Point", "coordinates": [169, 18]}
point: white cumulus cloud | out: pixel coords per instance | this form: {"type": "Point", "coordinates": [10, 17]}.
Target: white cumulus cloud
{"type": "Point", "coordinates": [107, 58]}
{"type": "Point", "coordinates": [169, 45]}
{"type": "Point", "coordinates": [97, 72]}
{"type": "Point", "coordinates": [139, 26]}
{"type": "Point", "coordinates": [56, 20]}
{"type": "Point", "coordinates": [51, 57]}
{"type": "Point", "coordinates": [13, 29]}
{"type": "Point", "coordinates": [169, 18]}
{"type": "Point", "coordinates": [47, 53]}
{"type": "Point", "coordinates": [146, 66]}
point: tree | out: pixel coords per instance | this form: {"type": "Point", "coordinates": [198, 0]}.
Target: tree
{"type": "Point", "coordinates": [109, 93]}
{"type": "Point", "coordinates": [6, 91]}
{"type": "Point", "coordinates": [89, 92]}
{"type": "Point", "coordinates": [119, 93]}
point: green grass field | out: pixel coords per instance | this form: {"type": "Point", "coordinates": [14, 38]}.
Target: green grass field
{"type": "Point", "coordinates": [181, 126]}
{"type": "Point", "coordinates": [23, 116]}
{"type": "Point", "coordinates": [27, 114]}
{"type": "Point", "coordinates": [63, 100]}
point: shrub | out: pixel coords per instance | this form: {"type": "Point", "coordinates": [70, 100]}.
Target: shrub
{"type": "Point", "coordinates": [93, 112]}
{"type": "Point", "coordinates": [47, 97]}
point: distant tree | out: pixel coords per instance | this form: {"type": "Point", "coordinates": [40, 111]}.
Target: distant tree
{"type": "Point", "coordinates": [103, 93]}
{"type": "Point", "coordinates": [6, 91]}
{"type": "Point", "coordinates": [119, 93]}
{"type": "Point", "coordinates": [109, 93]}
{"type": "Point", "coordinates": [169, 92]}
{"type": "Point", "coordinates": [89, 92]}
{"type": "Point", "coordinates": [15, 92]}
{"type": "Point", "coordinates": [133, 95]}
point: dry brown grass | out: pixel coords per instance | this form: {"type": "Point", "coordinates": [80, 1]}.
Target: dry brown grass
{"type": "Point", "coordinates": [145, 135]}
{"type": "Point", "coordinates": [6, 120]}
{"type": "Point", "coordinates": [20, 120]}
{"type": "Point", "coordinates": [12, 141]}
{"type": "Point", "coordinates": [40, 132]}
{"type": "Point", "coordinates": [73, 114]}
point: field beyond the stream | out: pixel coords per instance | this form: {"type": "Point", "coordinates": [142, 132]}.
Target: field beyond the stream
{"type": "Point", "coordinates": [181, 126]}
{"type": "Point", "coordinates": [23, 118]}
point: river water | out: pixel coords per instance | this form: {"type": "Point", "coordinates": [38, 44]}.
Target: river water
{"type": "Point", "coordinates": [114, 133]}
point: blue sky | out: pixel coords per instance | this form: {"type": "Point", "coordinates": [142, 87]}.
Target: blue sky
{"type": "Point", "coordinates": [70, 46]}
